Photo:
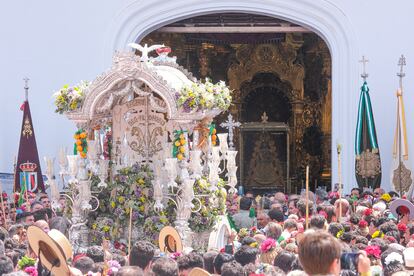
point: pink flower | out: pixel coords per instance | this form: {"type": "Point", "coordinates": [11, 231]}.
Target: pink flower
{"type": "Point", "coordinates": [175, 255]}
{"type": "Point", "coordinates": [31, 270]}
{"type": "Point", "coordinates": [267, 245]}
{"type": "Point", "coordinates": [363, 224]}
{"type": "Point", "coordinates": [324, 214]}
{"type": "Point", "coordinates": [374, 251]}
{"type": "Point", "coordinates": [367, 212]}
{"type": "Point", "coordinates": [402, 227]}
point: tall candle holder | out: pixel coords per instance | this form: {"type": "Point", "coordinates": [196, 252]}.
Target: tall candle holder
{"type": "Point", "coordinates": [79, 194]}
{"type": "Point", "coordinates": [103, 172]}
{"type": "Point", "coordinates": [196, 166]}
{"type": "Point", "coordinates": [171, 168]}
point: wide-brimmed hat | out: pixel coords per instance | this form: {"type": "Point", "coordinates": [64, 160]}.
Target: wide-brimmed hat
{"type": "Point", "coordinates": [397, 205]}
{"type": "Point", "coordinates": [170, 240]}
{"type": "Point", "coordinates": [199, 272]}
{"type": "Point", "coordinates": [53, 249]}
{"type": "Point", "coordinates": [409, 257]}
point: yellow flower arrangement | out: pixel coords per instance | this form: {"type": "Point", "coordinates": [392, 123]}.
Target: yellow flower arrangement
{"type": "Point", "coordinates": [377, 234]}
{"type": "Point", "coordinates": [254, 245]}
{"type": "Point", "coordinates": [68, 99]}
{"type": "Point", "coordinates": [121, 199]}
{"type": "Point", "coordinates": [142, 208]}
{"type": "Point", "coordinates": [106, 228]}
{"type": "Point", "coordinates": [113, 204]}
{"type": "Point", "coordinates": [386, 197]}
{"type": "Point", "coordinates": [94, 226]}
{"type": "Point", "coordinates": [339, 234]}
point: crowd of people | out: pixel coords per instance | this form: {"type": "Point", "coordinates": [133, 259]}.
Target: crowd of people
{"type": "Point", "coordinates": [271, 235]}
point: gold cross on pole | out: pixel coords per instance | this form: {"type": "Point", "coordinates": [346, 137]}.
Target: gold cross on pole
{"type": "Point", "coordinates": [26, 87]}
{"type": "Point", "coordinates": [364, 74]}
{"type": "Point", "coordinates": [401, 74]}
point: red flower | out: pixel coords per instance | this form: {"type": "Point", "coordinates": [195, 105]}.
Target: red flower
{"type": "Point", "coordinates": [323, 213]}
{"type": "Point", "coordinates": [16, 197]}
{"type": "Point", "coordinates": [402, 227]}
{"type": "Point", "coordinates": [267, 245]}
{"type": "Point", "coordinates": [390, 239]}
{"type": "Point", "coordinates": [374, 251]}
{"type": "Point", "coordinates": [222, 250]}
{"type": "Point", "coordinates": [368, 212]}
{"type": "Point", "coordinates": [363, 224]}
{"type": "Point", "coordinates": [77, 257]}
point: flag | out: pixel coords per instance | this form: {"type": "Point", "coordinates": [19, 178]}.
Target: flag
{"type": "Point", "coordinates": [28, 171]}
{"type": "Point", "coordinates": [367, 155]}
{"type": "Point", "coordinates": [401, 178]}
{"type": "Point", "coordinates": [23, 189]}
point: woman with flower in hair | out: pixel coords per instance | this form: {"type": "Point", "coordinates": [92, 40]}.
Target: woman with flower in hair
{"type": "Point", "coordinates": [363, 229]}
{"type": "Point", "coordinates": [268, 251]}
{"type": "Point", "coordinates": [374, 254]}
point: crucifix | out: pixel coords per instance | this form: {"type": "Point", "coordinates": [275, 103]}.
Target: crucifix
{"type": "Point", "coordinates": [26, 87]}
{"type": "Point", "coordinates": [230, 124]}
{"type": "Point", "coordinates": [364, 74]}
{"type": "Point", "coordinates": [401, 74]}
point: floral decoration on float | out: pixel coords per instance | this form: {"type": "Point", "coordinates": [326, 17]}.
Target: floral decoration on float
{"type": "Point", "coordinates": [81, 145]}
{"type": "Point", "coordinates": [70, 98]}
{"type": "Point", "coordinates": [204, 96]}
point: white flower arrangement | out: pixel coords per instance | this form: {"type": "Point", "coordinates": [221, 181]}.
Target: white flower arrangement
{"type": "Point", "coordinates": [207, 95]}
{"type": "Point", "coordinates": [70, 98]}
{"type": "Point", "coordinates": [394, 257]}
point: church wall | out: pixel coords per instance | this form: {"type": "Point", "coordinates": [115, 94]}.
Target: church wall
{"type": "Point", "coordinates": [54, 43]}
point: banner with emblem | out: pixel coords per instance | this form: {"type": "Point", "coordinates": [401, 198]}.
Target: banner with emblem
{"type": "Point", "coordinates": [401, 174]}
{"type": "Point", "coordinates": [28, 171]}
{"type": "Point", "coordinates": [367, 155]}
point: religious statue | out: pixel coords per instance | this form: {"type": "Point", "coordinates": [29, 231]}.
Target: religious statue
{"type": "Point", "coordinates": [265, 168]}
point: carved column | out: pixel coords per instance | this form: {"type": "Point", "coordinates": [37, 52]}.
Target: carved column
{"type": "Point", "coordinates": [297, 132]}
{"type": "Point", "coordinates": [326, 124]}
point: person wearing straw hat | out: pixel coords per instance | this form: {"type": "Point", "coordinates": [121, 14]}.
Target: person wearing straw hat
{"type": "Point", "coordinates": [53, 250]}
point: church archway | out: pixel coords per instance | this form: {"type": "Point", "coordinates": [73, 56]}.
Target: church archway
{"type": "Point", "coordinates": [139, 19]}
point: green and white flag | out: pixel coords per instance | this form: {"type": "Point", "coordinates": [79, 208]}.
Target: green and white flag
{"type": "Point", "coordinates": [367, 156]}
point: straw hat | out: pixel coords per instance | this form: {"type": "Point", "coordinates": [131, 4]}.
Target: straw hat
{"type": "Point", "coordinates": [198, 272]}
{"type": "Point", "coordinates": [170, 240]}
{"type": "Point", "coordinates": [53, 249]}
